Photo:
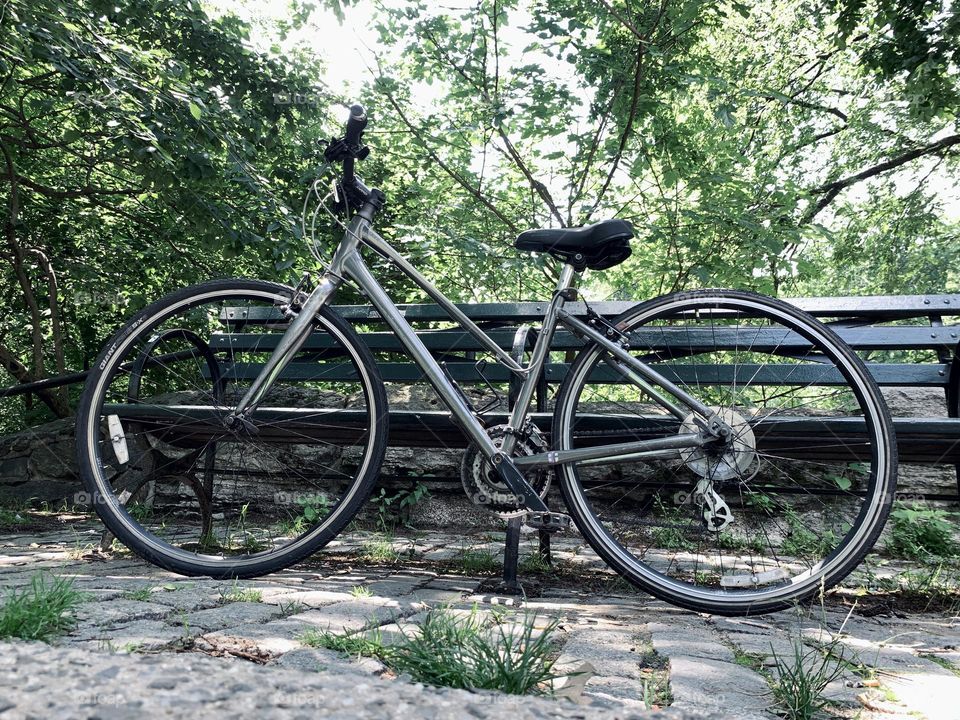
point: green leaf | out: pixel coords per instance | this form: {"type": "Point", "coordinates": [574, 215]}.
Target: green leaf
{"type": "Point", "coordinates": [195, 111]}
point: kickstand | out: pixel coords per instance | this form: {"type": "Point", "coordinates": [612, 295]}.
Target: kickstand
{"type": "Point", "coordinates": [544, 537]}
{"type": "Point", "coordinates": [511, 557]}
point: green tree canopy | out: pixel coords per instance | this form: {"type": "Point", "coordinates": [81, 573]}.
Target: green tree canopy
{"type": "Point", "coordinates": [786, 146]}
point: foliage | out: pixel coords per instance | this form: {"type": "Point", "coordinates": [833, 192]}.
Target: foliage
{"type": "Point", "coordinates": [393, 510]}
{"type": "Point", "coordinates": [39, 611]}
{"type": "Point", "coordinates": [917, 532]}
{"type": "Point", "coordinates": [141, 148]}
{"type": "Point", "coordinates": [459, 650]}
{"type": "Point", "coordinates": [727, 155]}
{"type": "Point", "coordinates": [916, 40]}
{"type": "Point", "coordinates": [788, 147]}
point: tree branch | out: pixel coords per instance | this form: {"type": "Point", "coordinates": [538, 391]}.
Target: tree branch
{"type": "Point", "coordinates": [460, 180]}
{"type": "Point", "coordinates": [10, 363]}
{"type": "Point", "coordinates": [830, 190]}
{"type": "Point", "coordinates": [538, 187]}
{"type": "Point", "coordinates": [625, 22]}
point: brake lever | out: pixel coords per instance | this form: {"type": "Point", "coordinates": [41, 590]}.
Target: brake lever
{"type": "Point", "coordinates": [338, 150]}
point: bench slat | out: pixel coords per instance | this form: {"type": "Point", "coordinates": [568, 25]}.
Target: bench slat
{"type": "Point", "coordinates": [860, 338]}
{"type": "Point", "coordinates": [886, 374]}
{"type": "Point", "coordinates": [871, 306]}
{"type": "Point", "coordinates": [920, 440]}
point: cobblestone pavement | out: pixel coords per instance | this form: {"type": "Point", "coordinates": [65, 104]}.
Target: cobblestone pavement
{"type": "Point", "coordinates": [151, 642]}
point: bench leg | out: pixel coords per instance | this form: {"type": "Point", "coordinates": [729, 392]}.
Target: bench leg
{"type": "Point", "coordinates": [953, 398]}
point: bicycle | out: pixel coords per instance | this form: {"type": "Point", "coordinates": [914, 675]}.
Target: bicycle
{"type": "Point", "coordinates": [720, 450]}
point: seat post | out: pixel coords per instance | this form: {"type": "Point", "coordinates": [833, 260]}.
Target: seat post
{"type": "Point", "coordinates": [566, 277]}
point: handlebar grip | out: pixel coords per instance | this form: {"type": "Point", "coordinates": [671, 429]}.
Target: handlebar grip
{"type": "Point", "coordinates": [355, 125]}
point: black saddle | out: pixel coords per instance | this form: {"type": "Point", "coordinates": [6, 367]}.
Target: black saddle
{"type": "Point", "coordinates": [598, 247]}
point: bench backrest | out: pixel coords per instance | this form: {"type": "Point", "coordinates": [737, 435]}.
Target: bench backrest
{"type": "Point", "coordinates": [863, 322]}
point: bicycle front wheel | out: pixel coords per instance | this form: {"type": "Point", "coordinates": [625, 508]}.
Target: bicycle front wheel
{"type": "Point", "coordinates": [168, 477]}
{"type": "Point", "coordinates": [788, 504]}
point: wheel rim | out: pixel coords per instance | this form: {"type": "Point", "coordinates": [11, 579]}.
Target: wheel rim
{"type": "Point", "coordinates": [780, 551]}
{"type": "Point", "coordinates": [216, 499]}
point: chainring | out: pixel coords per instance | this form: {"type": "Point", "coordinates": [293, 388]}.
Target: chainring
{"type": "Point", "coordinates": [482, 483]}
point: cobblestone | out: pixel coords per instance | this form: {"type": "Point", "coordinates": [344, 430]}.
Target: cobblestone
{"type": "Point", "coordinates": [150, 643]}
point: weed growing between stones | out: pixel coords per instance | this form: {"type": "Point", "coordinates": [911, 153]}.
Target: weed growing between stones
{"type": "Point", "coordinates": [359, 591]}
{"type": "Point", "coordinates": [534, 564]}
{"type": "Point", "coordinates": [41, 610]}
{"type": "Point", "coordinates": [357, 645]}
{"type": "Point", "coordinates": [473, 561]}
{"type": "Point", "coordinates": [941, 661]}
{"type": "Point", "coordinates": [11, 519]}
{"type": "Point", "coordinates": [459, 651]}
{"type": "Point", "coordinates": [394, 510]}
{"type": "Point", "coordinates": [917, 532]}
{"type": "Point", "coordinates": [800, 680]}
{"type": "Point", "coordinates": [238, 594]}
{"type": "Point", "coordinates": [933, 587]}
{"type": "Point", "coordinates": [380, 550]}
{"type": "Point", "coordinates": [290, 608]}
{"type": "Point", "coordinates": [655, 676]}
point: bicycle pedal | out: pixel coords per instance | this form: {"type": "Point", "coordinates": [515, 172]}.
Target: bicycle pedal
{"type": "Point", "coordinates": [549, 521]}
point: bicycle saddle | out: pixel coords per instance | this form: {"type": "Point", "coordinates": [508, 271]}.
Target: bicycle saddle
{"type": "Point", "coordinates": [598, 246]}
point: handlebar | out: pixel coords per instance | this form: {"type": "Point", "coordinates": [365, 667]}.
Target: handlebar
{"type": "Point", "coordinates": [348, 150]}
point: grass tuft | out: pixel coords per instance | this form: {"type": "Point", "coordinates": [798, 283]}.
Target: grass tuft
{"type": "Point", "coordinates": [459, 651]}
{"type": "Point", "coordinates": [238, 594]}
{"type": "Point", "coordinates": [39, 611]}
{"type": "Point", "coordinates": [471, 560]}
{"type": "Point", "coordinates": [799, 682]}
{"type": "Point", "coordinates": [380, 550]}
{"type": "Point", "coordinates": [357, 644]}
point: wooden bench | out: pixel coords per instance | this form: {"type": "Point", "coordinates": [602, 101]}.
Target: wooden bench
{"type": "Point", "coordinates": [904, 340]}
{"type": "Point", "coordinates": [883, 328]}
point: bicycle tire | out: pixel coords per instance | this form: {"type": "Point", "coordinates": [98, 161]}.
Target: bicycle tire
{"type": "Point", "coordinates": [610, 528]}
{"type": "Point", "coordinates": [158, 351]}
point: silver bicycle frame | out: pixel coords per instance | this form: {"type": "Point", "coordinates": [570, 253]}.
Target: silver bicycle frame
{"type": "Point", "coordinates": [348, 263]}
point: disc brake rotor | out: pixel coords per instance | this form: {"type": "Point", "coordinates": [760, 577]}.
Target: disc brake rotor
{"type": "Point", "coordinates": [482, 483]}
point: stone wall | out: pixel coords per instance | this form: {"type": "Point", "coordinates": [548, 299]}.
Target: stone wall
{"type": "Point", "coordinates": [39, 464]}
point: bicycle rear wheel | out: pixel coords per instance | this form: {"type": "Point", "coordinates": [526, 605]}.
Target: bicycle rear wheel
{"type": "Point", "coordinates": [788, 505]}
{"type": "Point", "coordinates": [178, 487]}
